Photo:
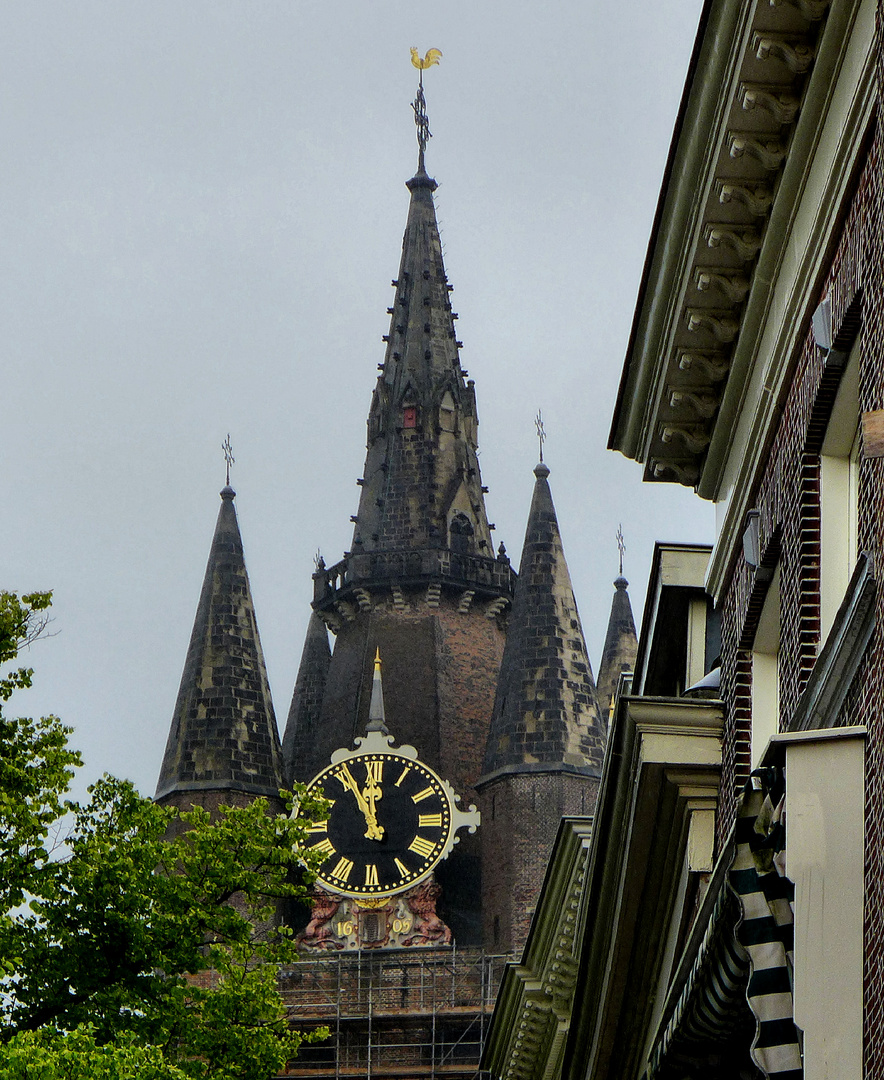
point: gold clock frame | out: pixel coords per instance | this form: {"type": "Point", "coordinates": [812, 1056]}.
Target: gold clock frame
{"type": "Point", "coordinates": [377, 742]}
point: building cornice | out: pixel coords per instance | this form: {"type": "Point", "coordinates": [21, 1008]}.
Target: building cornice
{"type": "Point", "coordinates": [749, 132]}
{"type": "Point", "coordinates": [798, 238]}
{"type": "Point", "coordinates": [527, 1034]}
{"type": "Point", "coordinates": [654, 816]}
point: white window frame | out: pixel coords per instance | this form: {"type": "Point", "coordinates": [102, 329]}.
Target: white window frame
{"type": "Point", "coordinates": [766, 672]}
{"type": "Point", "coordinates": [839, 495]}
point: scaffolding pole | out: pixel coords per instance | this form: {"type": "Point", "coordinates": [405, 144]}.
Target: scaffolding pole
{"type": "Point", "coordinates": [393, 1013]}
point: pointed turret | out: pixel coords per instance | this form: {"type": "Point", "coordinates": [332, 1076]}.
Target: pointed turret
{"type": "Point", "coordinates": [223, 737]}
{"type": "Point", "coordinates": [621, 646]}
{"type": "Point", "coordinates": [303, 718]}
{"type": "Point", "coordinates": [546, 743]}
{"type": "Point", "coordinates": [546, 713]}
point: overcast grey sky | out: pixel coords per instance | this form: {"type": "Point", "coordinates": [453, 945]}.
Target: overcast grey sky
{"type": "Point", "coordinates": [201, 209]}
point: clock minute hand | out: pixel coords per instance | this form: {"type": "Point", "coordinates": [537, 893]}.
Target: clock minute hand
{"type": "Point", "coordinates": [374, 831]}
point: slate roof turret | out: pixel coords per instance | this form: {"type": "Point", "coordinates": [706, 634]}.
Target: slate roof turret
{"type": "Point", "coordinates": [621, 646]}
{"type": "Point", "coordinates": [546, 715]}
{"type": "Point", "coordinates": [303, 718]}
{"type": "Point", "coordinates": [223, 735]}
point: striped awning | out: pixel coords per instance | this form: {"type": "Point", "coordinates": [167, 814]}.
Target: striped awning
{"type": "Point", "coordinates": [766, 930]}
{"type": "Point", "coordinates": [710, 1010]}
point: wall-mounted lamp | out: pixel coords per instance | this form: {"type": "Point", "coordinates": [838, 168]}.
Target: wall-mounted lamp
{"type": "Point", "coordinates": [752, 538]}
{"type": "Point", "coordinates": [821, 324]}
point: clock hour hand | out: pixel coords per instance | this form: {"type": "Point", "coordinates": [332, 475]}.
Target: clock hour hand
{"type": "Point", "coordinates": [372, 791]}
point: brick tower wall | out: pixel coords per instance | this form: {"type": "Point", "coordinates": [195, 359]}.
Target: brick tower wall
{"type": "Point", "coordinates": [520, 818]}
{"type": "Point", "coordinates": [440, 656]}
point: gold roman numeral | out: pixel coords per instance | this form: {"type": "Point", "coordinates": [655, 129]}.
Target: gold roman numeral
{"type": "Point", "coordinates": [421, 795]}
{"type": "Point", "coordinates": [421, 847]}
{"type": "Point", "coordinates": [402, 868]}
{"type": "Point", "coordinates": [371, 874]}
{"type": "Point", "coordinates": [324, 846]}
{"type": "Point", "coordinates": [318, 826]}
{"type": "Point", "coordinates": [342, 871]}
{"type": "Point", "coordinates": [346, 778]}
{"type": "Point", "coordinates": [402, 775]}
{"type": "Point", "coordinates": [429, 821]}
{"type": "Point", "coordinates": [374, 770]}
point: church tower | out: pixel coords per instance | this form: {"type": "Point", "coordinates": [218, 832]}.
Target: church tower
{"type": "Point", "coordinates": [420, 582]}
{"type": "Point", "coordinates": [487, 698]}
{"type": "Point", "coordinates": [544, 752]}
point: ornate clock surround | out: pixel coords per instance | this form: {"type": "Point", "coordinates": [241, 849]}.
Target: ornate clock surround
{"type": "Point", "coordinates": [392, 821]}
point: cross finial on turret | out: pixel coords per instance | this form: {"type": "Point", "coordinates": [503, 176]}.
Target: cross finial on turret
{"type": "Point", "coordinates": [541, 434]}
{"type": "Point", "coordinates": [228, 455]}
{"type": "Point", "coordinates": [621, 546]}
{"type": "Point", "coordinates": [419, 105]}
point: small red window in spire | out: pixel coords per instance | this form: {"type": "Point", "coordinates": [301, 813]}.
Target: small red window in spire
{"type": "Point", "coordinates": [409, 416]}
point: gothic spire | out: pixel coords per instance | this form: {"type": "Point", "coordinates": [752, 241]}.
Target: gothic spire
{"type": "Point", "coordinates": [546, 716]}
{"type": "Point", "coordinates": [223, 735]}
{"type": "Point", "coordinates": [421, 487]}
{"type": "Point", "coordinates": [621, 645]}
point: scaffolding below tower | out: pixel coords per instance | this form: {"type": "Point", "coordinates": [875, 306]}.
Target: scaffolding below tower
{"type": "Point", "coordinates": [393, 1014]}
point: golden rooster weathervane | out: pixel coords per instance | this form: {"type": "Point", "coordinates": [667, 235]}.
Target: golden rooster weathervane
{"type": "Point", "coordinates": [420, 105]}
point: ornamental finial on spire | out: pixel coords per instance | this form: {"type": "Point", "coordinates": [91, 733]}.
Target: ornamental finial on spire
{"type": "Point", "coordinates": [541, 470]}
{"type": "Point", "coordinates": [227, 447]}
{"type": "Point", "coordinates": [621, 546]}
{"type": "Point", "coordinates": [229, 460]}
{"type": "Point", "coordinates": [419, 105]}
{"type": "Point", "coordinates": [541, 434]}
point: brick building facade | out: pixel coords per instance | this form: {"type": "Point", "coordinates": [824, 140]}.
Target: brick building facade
{"type": "Point", "coordinates": [730, 917]}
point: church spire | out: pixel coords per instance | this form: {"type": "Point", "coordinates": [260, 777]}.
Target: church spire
{"type": "Point", "coordinates": [303, 718]}
{"type": "Point", "coordinates": [421, 495]}
{"type": "Point", "coordinates": [621, 644]}
{"type": "Point", "coordinates": [223, 735]}
{"type": "Point", "coordinates": [421, 486]}
{"type": "Point", "coordinates": [546, 714]}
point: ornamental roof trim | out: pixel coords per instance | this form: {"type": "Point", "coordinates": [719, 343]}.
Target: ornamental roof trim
{"type": "Point", "coordinates": [737, 124]}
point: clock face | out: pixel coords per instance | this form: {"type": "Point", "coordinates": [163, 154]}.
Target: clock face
{"type": "Point", "coordinates": [388, 826]}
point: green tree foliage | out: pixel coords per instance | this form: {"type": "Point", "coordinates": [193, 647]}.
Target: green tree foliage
{"type": "Point", "coordinates": [133, 943]}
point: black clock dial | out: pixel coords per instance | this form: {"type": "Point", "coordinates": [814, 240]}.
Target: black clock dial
{"type": "Point", "coordinates": [388, 826]}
